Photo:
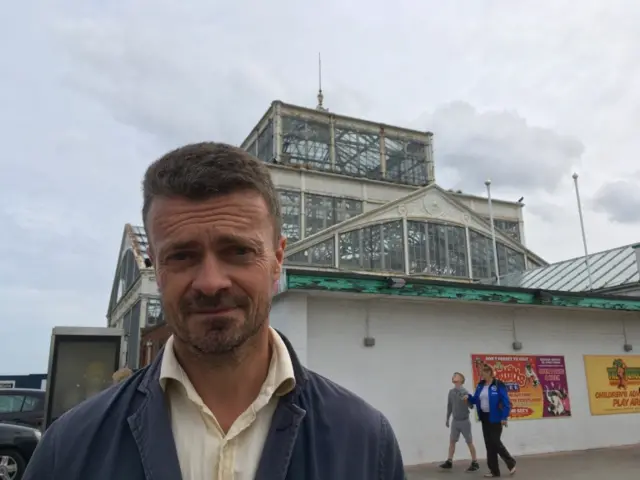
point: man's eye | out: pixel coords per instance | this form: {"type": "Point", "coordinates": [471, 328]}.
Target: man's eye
{"type": "Point", "coordinates": [241, 251]}
{"type": "Point", "coordinates": [180, 256]}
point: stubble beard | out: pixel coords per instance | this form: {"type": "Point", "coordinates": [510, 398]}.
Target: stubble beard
{"type": "Point", "coordinates": [221, 345]}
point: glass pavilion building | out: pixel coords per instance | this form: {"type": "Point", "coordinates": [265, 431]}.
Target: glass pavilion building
{"type": "Point", "coordinates": [331, 170]}
{"type": "Point", "coordinates": [359, 196]}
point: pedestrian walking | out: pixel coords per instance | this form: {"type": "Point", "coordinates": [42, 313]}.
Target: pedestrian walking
{"type": "Point", "coordinates": [458, 407]}
{"type": "Point", "coordinates": [491, 400]}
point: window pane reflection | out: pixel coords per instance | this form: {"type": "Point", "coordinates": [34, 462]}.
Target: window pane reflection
{"type": "Point", "coordinates": [376, 247]}
{"type": "Point", "coordinates": [437, 249]}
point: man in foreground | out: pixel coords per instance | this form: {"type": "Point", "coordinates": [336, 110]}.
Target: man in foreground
{"type": "Point", "coordinates": [458, 407]}
{"type": "Point", "coordinates": [228, 397]}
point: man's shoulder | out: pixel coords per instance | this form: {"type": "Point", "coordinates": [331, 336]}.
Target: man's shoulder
{"type": "Point", "coordinates": [338, 400]}
{"type": "Point", "coordinates": [345, 424]}
{"type": "Point", "coordinates": [93, 411]}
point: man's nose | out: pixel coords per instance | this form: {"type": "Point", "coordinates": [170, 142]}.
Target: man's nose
{"type": "Point", "coordinates": [211, 276]}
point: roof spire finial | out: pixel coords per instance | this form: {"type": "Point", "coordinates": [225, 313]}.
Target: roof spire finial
{"type": "Point", "coordinates": [320, 95]}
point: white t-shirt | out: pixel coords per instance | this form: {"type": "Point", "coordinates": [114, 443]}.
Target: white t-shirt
{"type": "Point", "coordinates": [484, 399]}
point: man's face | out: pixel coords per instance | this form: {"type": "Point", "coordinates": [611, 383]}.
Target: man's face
{"type": "Point", "coordinates": [216, 263]}
{"type": "Point", "coordinates": [457, 381]}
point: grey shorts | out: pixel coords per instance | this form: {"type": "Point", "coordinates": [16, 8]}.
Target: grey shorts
{"type": "Point", "coordinates": [461, 427]}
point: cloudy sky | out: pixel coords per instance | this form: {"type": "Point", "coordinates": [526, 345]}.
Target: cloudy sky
{"type": "Point", "coordinates": [523, 92]}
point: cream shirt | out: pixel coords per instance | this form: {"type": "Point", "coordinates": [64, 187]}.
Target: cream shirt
{"type": "Point", "coordinates": [204, 451]}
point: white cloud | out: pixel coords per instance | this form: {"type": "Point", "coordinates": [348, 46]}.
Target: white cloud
{"type": "Point", "coordinates": [97, 90]}
{"type": "Point", "coordinates": [500, 145]}
{"type": "Point", "coordinates": [620, 200]}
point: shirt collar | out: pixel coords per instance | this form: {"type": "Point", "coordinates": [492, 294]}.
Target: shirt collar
{"type": "Point", "coordinates": [280, 377]}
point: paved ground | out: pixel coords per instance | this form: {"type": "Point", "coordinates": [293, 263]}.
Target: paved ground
{"type": "Point", "coordinates": [609, 464]}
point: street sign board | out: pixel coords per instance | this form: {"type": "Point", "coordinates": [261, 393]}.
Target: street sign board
{"type": "Point", "coordinates": [81, 363]}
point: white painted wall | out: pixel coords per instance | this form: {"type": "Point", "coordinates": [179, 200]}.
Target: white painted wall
{"type": "Point", "coordinates": [289, 316]}
{"type": "Point", "coordinates": [503, 210]}
{"type": "Point", "coordinates": [419, 345]}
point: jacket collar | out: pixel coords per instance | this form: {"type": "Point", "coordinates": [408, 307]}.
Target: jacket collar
{"type": "Point", "coordinates": [493, 382]}
{"type": "Point", "coordinates": [151, 421]}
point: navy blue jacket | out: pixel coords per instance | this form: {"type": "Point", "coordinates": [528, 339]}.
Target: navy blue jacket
{"type": "Point", "coordinates": [499, 403]}
{"type": "Point", "coordinates": [319, 431]}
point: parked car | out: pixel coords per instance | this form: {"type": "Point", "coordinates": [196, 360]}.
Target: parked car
{"type": "Point", "coordinates": [22, 406]}
{"type": "Point", "coordinates": [17, 443]}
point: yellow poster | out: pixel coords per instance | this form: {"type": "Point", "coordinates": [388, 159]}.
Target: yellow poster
{"type": "Point", "coordinates": [613, 383]}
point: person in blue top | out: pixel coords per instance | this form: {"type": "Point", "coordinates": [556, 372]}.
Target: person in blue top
{"type": "Point", "coordinates": [491, 400]}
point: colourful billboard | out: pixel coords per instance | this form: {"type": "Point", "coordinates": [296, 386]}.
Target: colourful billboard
{"type": "Point", "coordinates": [537, 384]}
{"type": "Point", "coordinates": [613, 383]}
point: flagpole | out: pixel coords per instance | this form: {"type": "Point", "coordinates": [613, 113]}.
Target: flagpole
{"type": "Point", "coordinates": [493, 232]}
{"type": "Point", "coordinates": [584, 236]}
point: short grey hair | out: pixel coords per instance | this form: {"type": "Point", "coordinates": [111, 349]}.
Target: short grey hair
{"type": "Point", "coordinates": [204, 170]}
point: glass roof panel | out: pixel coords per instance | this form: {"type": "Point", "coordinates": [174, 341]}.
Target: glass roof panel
{"type": "Point", "coordinates": [546, 273]}
{"type": "Point", "coordinates": [140, 236]}
{"type": "Point", "coordinates": [569, 273]}
{"type": "Point", "coordinates": [616, 272]}
{"type": "Point", "coordinates": [597, 261]}
{"type": "Point", "coordinates": [533, 273]}
{"type": "Point", "coordinates": [580, 283]}
{"type": "Point", "coordinates": [612, 268]}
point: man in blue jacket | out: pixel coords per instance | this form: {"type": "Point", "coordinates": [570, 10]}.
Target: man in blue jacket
{"type": "Point", "coordinates": [491, 400]}
{"type": "Point", "coordinates": [227, 398]}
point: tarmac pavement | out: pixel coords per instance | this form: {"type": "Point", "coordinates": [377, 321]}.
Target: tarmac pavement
{"type": "Point", "coordinates": [604, 464]}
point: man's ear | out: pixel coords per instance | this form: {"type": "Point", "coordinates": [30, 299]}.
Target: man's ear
{"type": "Point", "coordinates": [279, 253]}
{"type": "Point", "coordinates": [154, 265]}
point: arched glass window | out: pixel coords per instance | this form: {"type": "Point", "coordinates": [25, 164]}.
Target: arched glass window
{"type": "Point", "coordinates": [323, 211]}
{"type": "Point", "coordinates": [320, 254]}
{"type": "Point", "coordinates": [434, 249]}
{"type": "Point", "coordinates": [375, 247]}
{"type": "Point", "coordinates": [482, 264]}
{"type": "Point", "coordinates": [437, 249]}
{"type": "Point", "coordinates": [509, 260]}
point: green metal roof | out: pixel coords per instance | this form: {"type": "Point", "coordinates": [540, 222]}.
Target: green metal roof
{"type": "Point", "coordinates": [345, 282]}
